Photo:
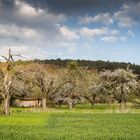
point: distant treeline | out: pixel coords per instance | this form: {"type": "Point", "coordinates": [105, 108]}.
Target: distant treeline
{"type": "Point", "coordinates": [98, 65]}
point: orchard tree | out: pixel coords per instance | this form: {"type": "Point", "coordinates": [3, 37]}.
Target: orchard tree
{"type": "Point", "coordinates": [21, 86]}
{"type": "Point", "coordinates": [122, 84]}
{"type": "Point", "coordinates": [43, 80]}
{"type": "Point", "coordinates": [91, 87]}
{"type": "Point", "coordinates": [137, 94]}
{"type": "Point", "coordinates": [65, 90]}
{"type": "Point", "coordinates": [7, 81]}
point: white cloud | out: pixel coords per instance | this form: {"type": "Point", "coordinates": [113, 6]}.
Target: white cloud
{"type": "Point", "coordinates": [109, 39]}
{"type": "Point", "coordinates": [123, 20]}
{"type": "Point", "coordinates": [25, 11]}
{"type": "Point", "coordinates": [105, 34]}
{"type": "Point", "coordinates": [32, 30]}
{"type": "Point", "coordinates": [26, 52]}
{"type": "Point", "coordinates": [68, 33]}
{"type": "Point", "coordinates": [92, 33]}
{"type": "Point", "coordinates": [31, 42]}
{"type": "Point", "coordinates": [18, 32]}
{"type": "Point", "coordinates": [126, 16]}
{"type": "Point", "coordinates": [104, 18]}
{"type": "Point", "coordinates": [28, 10]}
{"type": "Point", "coordinates": [114, 39]}
{"type": "Point", "coordinates": [130, 33]}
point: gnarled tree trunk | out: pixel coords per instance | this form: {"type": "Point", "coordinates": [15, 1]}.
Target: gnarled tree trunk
{"type": "Point", "coordinates": [7, 81]}
{"type": "Point", "coordinates": [91, 101]}
{"type": "Point", "coordinates": [6, 105]}
{"type": "Point", "coordinates": [70, 105]}
{"type": "Point", "coordinates": [44, 101]}
{"type": "Point", "coordinates": [122, 106]}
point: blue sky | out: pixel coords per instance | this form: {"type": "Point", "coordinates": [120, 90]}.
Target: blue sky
{"type": "Point", "coordinates": [87, 29]}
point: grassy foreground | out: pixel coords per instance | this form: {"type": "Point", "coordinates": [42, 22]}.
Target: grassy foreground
{"type": "Point", "coordinates": [62, 124]}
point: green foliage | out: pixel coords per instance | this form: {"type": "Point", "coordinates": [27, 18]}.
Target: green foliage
{"type": "Point", "coordinates": [72, 65]}
{"type": "Point", "coordinates": [98, 65]}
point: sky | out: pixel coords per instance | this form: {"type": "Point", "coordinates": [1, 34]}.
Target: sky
{"type": "Point", "coordinates": [71, 29]}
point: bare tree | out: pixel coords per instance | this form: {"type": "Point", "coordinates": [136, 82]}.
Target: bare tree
{"type": "Point", "coordinates": [91, 87]}
{"type": "Point", "coordinates": [43, 80]}
{"type": "Point", "coordinates": [10, 81]}
{"type": "Point", "coordinates": [21, 87]}
{"type": "Point", "coordinates": [6, 79]}
{"type": "Point", "coordinates": [66, 90]}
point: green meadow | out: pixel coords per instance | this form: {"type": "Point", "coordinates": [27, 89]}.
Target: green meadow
{"type": "Point", "coordinates": [103, 122]}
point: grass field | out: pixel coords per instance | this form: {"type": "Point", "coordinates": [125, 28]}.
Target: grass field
{"type": "Point", "coordinates": [78, 124]}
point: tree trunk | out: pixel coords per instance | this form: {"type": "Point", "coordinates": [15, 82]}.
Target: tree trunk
{"type": "Point", "coordinates": [122, 106]}
{"type": "Point", "coordinates": [44, 103]}
{"type": "Point", "coordinates": [59, 105]}
{"type": "Point", "coordinates": [6, 106]}
{"type": "Point", "coordinates": [70, 105]}
{"type": "Point", "coordinates": [92, 104]}
{"type": "Point", "coordinates": [90, 101]}
{"type": "Point", "coordinates": [93, 100]}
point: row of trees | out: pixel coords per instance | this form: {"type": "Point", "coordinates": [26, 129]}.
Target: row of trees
{"type": "Point", "coordinates": [69, 85]}
{"type": "Point", "coordinates": [90, 64]}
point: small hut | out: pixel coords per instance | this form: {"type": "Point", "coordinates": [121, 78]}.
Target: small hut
{"type": "Point", "coordinates": [28, 102]}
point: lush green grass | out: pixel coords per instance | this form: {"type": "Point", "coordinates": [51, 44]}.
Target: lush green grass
{"type": "Point", "coordinates": [77, 124]}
